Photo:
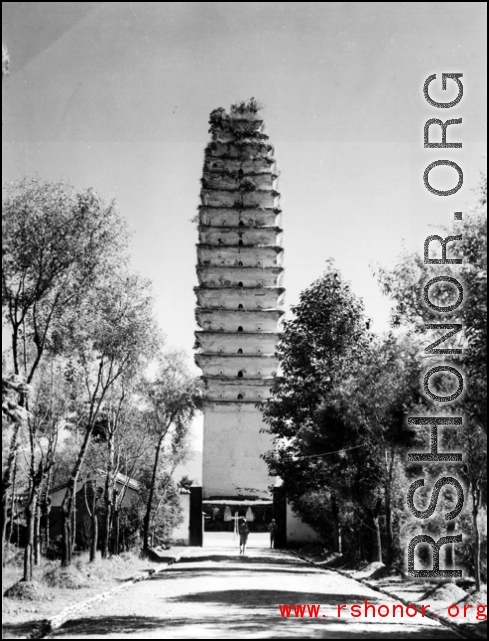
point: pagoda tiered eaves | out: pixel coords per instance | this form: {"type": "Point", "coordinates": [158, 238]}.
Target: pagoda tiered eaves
{"type": "Point", "coordinates": [239, 296]}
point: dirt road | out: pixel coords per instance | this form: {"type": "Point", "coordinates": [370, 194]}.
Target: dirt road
{"type": "Point", "coordinates": [215, 593]}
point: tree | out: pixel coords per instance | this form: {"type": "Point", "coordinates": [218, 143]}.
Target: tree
{"type": "Point", "coordinates": [14, 415]}
{"type": "Point", "coordinates": [475, 470]}
{"type": "Point", "coordinates": [369, 410]}
{"type": "Point", "coordinates": [338, 411]}
{"type": "Point", "coordinates": [326, 340]}
{"type": "Point", "coordinates": [118, 425]}
{"type": "Point", "coordinates": [171, 398]}
{"type": "Point", "coordinates": [56, 244]}
{"type": "Point", "coordinates": [185, 483]}
{"type": "Point", "coordinates": [323, 344]}
{"type": "Point", "coordinates": [112, 337]}
{"type": "Point", "coordinates": [47, 416]}
{"type": "Point", "coordinates": [404, 284]}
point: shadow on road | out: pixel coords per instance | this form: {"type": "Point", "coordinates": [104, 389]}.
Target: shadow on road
{"type": "Point", "coordinates": [268, 559]}
{"type": "Point", "coordinates": [244, 610]}
{"type": "Point", "coordinates": [268, 599]}
{"type": "Point", "coordinates": [251, 613]}
{"type": "Point", "coordinates": [178, 572]}
{"type": "Point", "coordinates": [261, 626]}
{"type": "Point", "coordinates": [24, 629]}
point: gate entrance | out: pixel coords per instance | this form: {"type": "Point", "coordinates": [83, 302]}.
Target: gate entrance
{"type": "Point", "coordinates": [221, 522]}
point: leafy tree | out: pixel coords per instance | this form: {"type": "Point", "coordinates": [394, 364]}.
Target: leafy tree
{"type": "Point", "coordinates": [369, 409]}
{"type": "Point", "coordinates": [185, 483]}
{"type": "Point", "coordinates": [112, 336]}
{"type": "Point", "coordinates": [47, 417]}
{"type": "Point", "coordinates": [56, 244]}
{"type": "Point", "coordinates": [338, 411]}
{"type": "Point", "coordinates": [326, 340]}
{"type": "Point", "coordinates": [323, 344]}
{"type": "Point", "coordinates": [171, 398]}
{"type": "Point", "coordinates": [123, 432]}
{"type": "Point", "coordinates": [166, 513]}
{"type": "Point", "coordinates": [404, 284]}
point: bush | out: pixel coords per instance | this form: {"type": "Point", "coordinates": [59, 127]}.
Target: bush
{"type": "Point", "coordinates": [71, 578]}
{"type": "Point", "coordinates": [26, 591]}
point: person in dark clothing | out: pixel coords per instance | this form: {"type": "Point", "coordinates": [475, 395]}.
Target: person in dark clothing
{"type": "Point", "coordinates": [272, 528]}
{"type": "Point", "coordinates": [243, 530]}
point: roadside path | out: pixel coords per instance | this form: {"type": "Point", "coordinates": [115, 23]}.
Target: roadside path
{"type": "Point", "coordinates": [215, 593]}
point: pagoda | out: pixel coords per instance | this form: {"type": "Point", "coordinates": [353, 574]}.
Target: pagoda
{"type": "Point", "coordinates": [239, 300]}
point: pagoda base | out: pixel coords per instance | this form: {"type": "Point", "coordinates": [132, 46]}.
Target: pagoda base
{"type": "Point", "coordinates": [233, 443]}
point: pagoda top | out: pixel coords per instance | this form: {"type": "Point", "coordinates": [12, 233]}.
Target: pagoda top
{"type": "Point", "coordinates": [244, 110]}
{"type": "Point", "coordinates": [241, 125]}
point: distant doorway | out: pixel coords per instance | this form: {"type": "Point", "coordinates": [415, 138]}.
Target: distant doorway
{"type": "Point", "coordinates": [220, 519]}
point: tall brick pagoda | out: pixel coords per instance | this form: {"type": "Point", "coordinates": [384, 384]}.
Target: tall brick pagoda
{"type": "Point", "coordinates": [239, 298]}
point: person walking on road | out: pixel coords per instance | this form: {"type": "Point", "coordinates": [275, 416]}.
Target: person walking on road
{"type": "Point", "coordinates": [243, 530]}
{"type": "Point", "coordinates": [272, 528]}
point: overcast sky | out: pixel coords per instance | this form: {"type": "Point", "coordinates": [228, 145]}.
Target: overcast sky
{"type": "Point", "coordinates": [116, 96]}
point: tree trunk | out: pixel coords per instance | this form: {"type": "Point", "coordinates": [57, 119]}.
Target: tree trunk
{"type": "Point", "coordinates": [376, 541]}
{"type": "Point", "coordinates": [7, 480]}
{"type": "Point", "coordinates": [37, 533]}
{"type": "Point", "coordinates": [109, 496]}
{"type": "Point", "coordinates": [106, 530]}
{"type": "Point", "coordinates": [337, 543]}
{"type": "Point", "coordinates": [4, 523]}
{"type": "Point", "coordinates": [388, 525]}
{"type": "Point", "coordinates": [46, 512]}
{"type": "Point", "coordinates": [476, 494]}
{"type": "Point", "coordinates": [32, 521]}
{"type": "Point", "coordinates": [116, 533]}
{"type": "Point", "coordinates": [66, 550]}
{"type": "Point", "coordinates": [68, 502]}
{"type": "Point", "coordinates": [147, 516]}
{"type": "Point", "coordinates": [28, 552]}
{"type": "Point", "coordinates": [388, 511]}
{"type": "Point", "coordinates": [12, 503]}
{"type": "Point", "coordinates": [46, 515]}
{"type": "Point", "coordinates": [73, 518]}
{"type": "Point", "coordinates": [449, 548]}
{"type": "Point", "coordinates": [93, 521]}
{"type": "Point", "coordinates": [94, 537]}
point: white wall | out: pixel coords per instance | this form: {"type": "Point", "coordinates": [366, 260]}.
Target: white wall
{"type": "Point", "coordinates": [297, 530]}
{"type": "Point", "coordinates": [181, 533]}
{"type": "Point", "coordinates": [232, 446]}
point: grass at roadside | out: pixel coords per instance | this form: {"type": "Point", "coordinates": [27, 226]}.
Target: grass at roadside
{"type": "Point", "coordinates": [440, 595]}
{"type": "Point", "coordinates": [56, 588]}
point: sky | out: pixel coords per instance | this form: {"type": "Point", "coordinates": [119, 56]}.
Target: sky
{"type": "Point", "coordinates": [116, 96]}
